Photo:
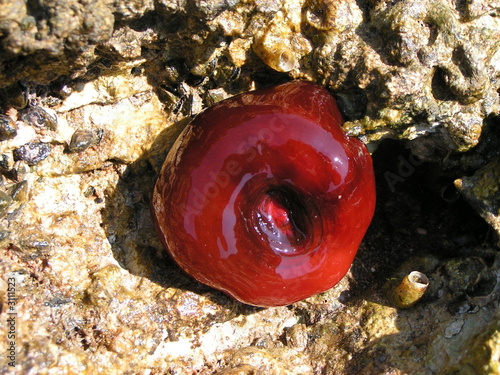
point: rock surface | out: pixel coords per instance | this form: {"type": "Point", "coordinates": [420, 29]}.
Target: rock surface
{"type": "Point", "coordinates": [93, 94]}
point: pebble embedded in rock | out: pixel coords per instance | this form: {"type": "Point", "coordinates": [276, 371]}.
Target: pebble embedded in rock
{"type": "Point", "coordinates": [33, 152]}
{"type": "Point", "coordinates": [20, 191]}
{"type": "Point", "coordinates": [5, 162]}
{"type": "Point", "coordinates": [83, 139]}
{"type": "Point", "coordinates": [16, 96]}
{"type": "Point", "coordinates": [5, 201]}
{"type": "Point", "coordinates": [296, 336]}
{"type": "Point", "coordinates": [39, 117]}
{"type": "Point", "coordinates": [8, 129]}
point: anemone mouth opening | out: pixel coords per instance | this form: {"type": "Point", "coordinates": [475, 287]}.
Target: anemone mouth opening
{"type": "Point", "coordinates": [286, 220]}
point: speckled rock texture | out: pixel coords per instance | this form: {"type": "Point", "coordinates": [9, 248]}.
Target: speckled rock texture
{"type": "Point", "coordinates": [92, 96]}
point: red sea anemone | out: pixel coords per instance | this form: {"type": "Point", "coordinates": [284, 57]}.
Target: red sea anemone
{"type": "Point", "coordinates": [264, 197]}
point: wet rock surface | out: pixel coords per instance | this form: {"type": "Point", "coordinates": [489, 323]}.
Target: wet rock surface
{"type": "Point", "coordinates": [94, 94]}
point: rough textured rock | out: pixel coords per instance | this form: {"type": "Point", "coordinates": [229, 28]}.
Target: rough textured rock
{"type": "Point", "coordinates": [483, 191]}
{"type": "Point", "coordinates": [93, 94]}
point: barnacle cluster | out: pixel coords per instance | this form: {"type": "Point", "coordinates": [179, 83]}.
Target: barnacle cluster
{"type": "Point", "coordinates": [21, 146]}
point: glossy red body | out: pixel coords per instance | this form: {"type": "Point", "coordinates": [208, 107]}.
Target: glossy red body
{"type": "Point", "coordinates": [264, 197]}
